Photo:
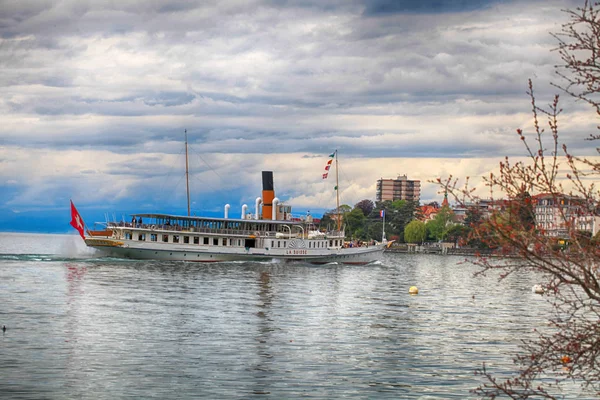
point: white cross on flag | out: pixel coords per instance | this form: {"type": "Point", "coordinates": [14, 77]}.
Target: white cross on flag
{"type": "Point", "coordinates": [76, 221]}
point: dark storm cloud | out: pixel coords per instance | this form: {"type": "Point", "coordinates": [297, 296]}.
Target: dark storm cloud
{"type": "Point", "coordinates": [381, 7]}
{"type": "Point", "coordinates": [372, 78]}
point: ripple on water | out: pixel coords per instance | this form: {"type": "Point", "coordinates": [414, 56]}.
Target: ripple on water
{"type": "Point", "coordinates": [105, 329]}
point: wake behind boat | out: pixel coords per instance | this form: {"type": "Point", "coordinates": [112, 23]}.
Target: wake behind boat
{"type": "Point", "coordinates": [267, 235]}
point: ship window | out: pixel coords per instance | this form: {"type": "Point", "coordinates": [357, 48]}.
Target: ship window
{"type": "Point", "coordinates": [165, 238]}
{"type": "Point", "coordinates": [215, 242]}
{"type": "Point", "coordinates": [196, 239]}
{"type": "Point", "coordinates": [205, 240]}
{"type": "Point", "coordinates": [278, 243]}
{"type": "Point", "coordinates": [142, 237]}
{"type": "Point", "coordinates": [330, 243]}
{"type": "Point", "coordinates": [186, 239]}
{"type": "Point", "coordinates": [175, 238]}
{"type": "Point", "coordinates": [127, 235]}
{"type": "Point", "coordinates": [153, 237]}
{"type": "Point", "coordinates": [224, 241]}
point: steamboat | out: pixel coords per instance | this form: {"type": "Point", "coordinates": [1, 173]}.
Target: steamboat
{"type": "Point", "coordinates": [270, 233]}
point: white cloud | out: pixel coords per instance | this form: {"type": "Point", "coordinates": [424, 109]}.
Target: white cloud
{"type": "Point", "coordinates": [95, 96]}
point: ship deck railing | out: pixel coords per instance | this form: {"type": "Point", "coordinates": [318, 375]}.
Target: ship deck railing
{"type": "Point", "coordinates": [226, 232]}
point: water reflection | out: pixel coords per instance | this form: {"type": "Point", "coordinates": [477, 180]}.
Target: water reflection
{"type": "Point", "coordinates": [110, 329]}
{"type": "Point", "coordinates": [262, 370]}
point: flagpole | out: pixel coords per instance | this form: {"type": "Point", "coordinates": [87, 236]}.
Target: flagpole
{"type": "Point", "coordinates": [187, 174]}
{"type": "Point", "coordinates": [383, 233]}
{"type": "Point", "coordinates": [337, 192]}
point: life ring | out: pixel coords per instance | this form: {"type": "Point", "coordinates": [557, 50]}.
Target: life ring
{"type": "Point", "coordinates": [152, 227]}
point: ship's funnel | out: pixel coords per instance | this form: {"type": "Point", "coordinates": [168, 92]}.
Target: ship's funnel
{"type": "Point", "coordinates": [268, 193]}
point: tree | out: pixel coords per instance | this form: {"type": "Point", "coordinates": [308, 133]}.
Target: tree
{"type": "Point", "coordinates": [569, 351]}
{"type": "Point", "coordinates": [415, 232]}
{"type": "Point", "coordinates": [521, 211]}
{"type": "Point", "coordinates": [397, 215]}
{"type": "Point", "coordinates": [473, 216]}
{"type": "Point", "coordinates": [458, 233]}
{"type": "Point", "coordinates": [375, 230]}
{"type": "Point", "coordinates": [438, 226]}
{"type": "Point", "coordinates": [366, 206]}
{"type": "Point", "coordinates": [354, 221]}
{"type": "Point", "coordinates": [327, 221]}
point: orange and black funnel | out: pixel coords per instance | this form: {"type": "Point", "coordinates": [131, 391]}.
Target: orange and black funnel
{"type": "Point", "coordinates": [268, 194]}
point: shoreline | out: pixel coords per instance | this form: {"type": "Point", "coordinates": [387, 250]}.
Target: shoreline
{"type": "Point", "coordinates": [444, 249]}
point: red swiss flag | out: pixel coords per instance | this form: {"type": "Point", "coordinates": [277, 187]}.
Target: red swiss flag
{"type": "Point", "coordinates": [76, 221]}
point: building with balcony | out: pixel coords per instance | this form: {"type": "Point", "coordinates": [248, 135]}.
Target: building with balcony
{"type": "Point", "coordinates": [400, 188]}
{"type": "Point", "coordinates": [556, 213]}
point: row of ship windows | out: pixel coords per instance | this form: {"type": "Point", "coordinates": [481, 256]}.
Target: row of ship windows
{"type": "Point", "coordinates": [184, 239]}
{"type": "Point", "coordinates": [216, 241]}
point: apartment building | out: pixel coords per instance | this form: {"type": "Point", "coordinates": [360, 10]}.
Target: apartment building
{"type": "Point", "coordinates": [400, 188]}
{"type": "Point", "coordinates": [555, 212]}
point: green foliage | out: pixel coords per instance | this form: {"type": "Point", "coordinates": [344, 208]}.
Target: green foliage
{"type": "Point", "coordinates": [415, 232]}
{"type": "Point", "coordinates": [360, 234]}
{"type": "Point", "coordinates": [437, 228]}
{"type": "Point", "coordinates": [354, 220]}
{"type": "Point", "coordinates": [397, 215]}
{"type": "Point", "coordinates": [521, 211]}
{"type": "Point", "coordinates": [473, 216]}
{"type": "Point", "coordinates": [375, 230]}
{"type": "Point", "coordinates": [366, 206]}
{"type": "Point", "coordinates": [457, 232]}
{"type": "Point", "coordinates": [327, 222]}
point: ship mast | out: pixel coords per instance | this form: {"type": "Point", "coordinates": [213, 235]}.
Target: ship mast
{"type": "Point", "coordinates": [187, 174]}
{"type": "Point", "coordinates": [337, 193]}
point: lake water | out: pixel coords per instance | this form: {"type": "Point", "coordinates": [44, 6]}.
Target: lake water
{"type": "Point", "coordinates": [88, 328]}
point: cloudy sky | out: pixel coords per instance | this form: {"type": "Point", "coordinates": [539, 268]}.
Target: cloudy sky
{"type": "Point", "coordinates": [95, 97]}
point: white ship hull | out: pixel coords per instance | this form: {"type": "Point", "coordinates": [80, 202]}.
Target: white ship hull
{"type": "Point", "coordinates": [204, 254]}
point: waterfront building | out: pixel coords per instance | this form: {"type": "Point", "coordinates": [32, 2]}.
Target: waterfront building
{"type": "Point", "coordinates": [555, 213]}
{"type": "Point", "coordinates": [588, 223]}
{"type": "Point", "coordinates": [428, 212]}
{"type": "Point", "coordinates": [400, 188]}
